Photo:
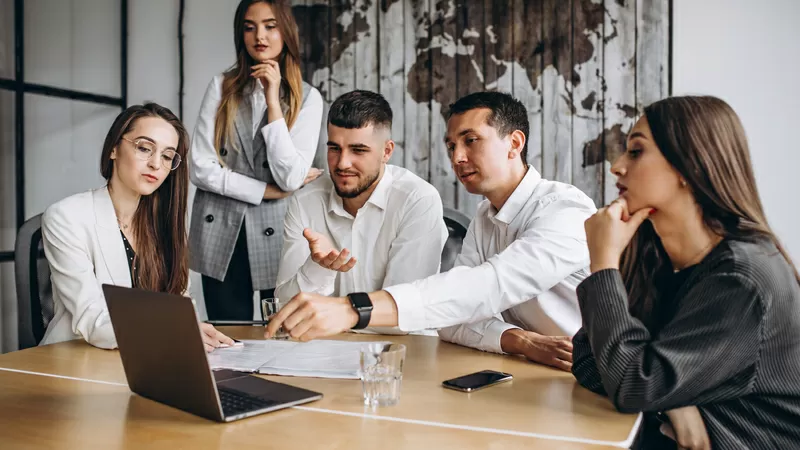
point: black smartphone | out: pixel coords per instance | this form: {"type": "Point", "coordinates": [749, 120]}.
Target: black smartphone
{"type": "Point", "coordinates": [477, 380]}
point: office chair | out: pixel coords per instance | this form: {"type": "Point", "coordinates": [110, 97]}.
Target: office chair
{"type": "Point", "coordinates": [34, 292]}
{"type": "Point", "coordinates": [457, 224]}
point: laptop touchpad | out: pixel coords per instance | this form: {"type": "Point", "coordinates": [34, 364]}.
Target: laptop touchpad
{"type": "Point", "coordinates": [265, 389]}
{"type": "Point", "coordinates": [226, 374]}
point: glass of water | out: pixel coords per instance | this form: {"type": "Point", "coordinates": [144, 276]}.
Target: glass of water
{"type": "Point", "coordinates": [382, 373]}
{"type": "Point", "coordinates": [269, 307]}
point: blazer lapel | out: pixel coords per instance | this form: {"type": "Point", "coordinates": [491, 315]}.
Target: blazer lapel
{"type": "Point", "coordinates": [110, 239]}
{"type": "Point", "coordinates": [244, 126]}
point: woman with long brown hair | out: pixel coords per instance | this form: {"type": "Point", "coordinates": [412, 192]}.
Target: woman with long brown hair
{"type": "Point", "coordinates": [255, 139]}
{"type": "Point", "coordinates": [131, 233]}
{"type": "Point", "coordinates": [692, 301]}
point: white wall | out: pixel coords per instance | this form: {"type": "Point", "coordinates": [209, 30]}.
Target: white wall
{"type": "Point", "coordinates": [153, 52]}
{"type": "Point", "coordinates": [748, 53]}
{"type": "Point", "coordinates": [71, 44]}
{"type": "Point", "coordinates": [153, 68]}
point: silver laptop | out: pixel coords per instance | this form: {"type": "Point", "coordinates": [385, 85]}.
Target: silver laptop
{"type": "Point", "coordinates": [164, 359]}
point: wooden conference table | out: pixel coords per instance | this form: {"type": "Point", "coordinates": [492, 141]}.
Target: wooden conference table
{"type": "Point", "coordinates": [71, 395]}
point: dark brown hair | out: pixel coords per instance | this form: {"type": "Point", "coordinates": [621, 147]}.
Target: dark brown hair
{"type": "Point", "coordinates": [507, 114]}
{"type": "Point", "coordinates": [703, 139]}
{"type": "Point", "coordinates": [238, 77]}
{"type": "Point", "coordinates": [159, 222]}
{"type": "Point", "coordinates": [359, 109]}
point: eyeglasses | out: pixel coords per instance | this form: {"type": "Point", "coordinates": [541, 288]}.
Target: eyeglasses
{"type": "Point", "coordinates": [145, 150]}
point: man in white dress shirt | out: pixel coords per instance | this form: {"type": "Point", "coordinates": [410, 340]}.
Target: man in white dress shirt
{"type": "Point", "coordinates": [513, 287]}
{"type": "Point", "coordinates": [370, 225]}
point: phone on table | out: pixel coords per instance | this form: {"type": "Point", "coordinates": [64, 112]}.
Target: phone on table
{"type": "Point", "coordinates": [477, 380]}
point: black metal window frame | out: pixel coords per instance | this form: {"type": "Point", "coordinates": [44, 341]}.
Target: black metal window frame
{"type": "Point", "coordinates": [20, 87]}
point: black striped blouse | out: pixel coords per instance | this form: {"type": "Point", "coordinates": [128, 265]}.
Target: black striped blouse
{"type": "Point", "coordinates": [729, 344]}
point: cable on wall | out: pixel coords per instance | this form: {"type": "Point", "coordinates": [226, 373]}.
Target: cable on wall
{"type": "Point", "coordinates": [180, 58]}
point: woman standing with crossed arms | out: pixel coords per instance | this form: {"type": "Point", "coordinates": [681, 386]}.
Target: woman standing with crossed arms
{"type": "Point", "coordinates": [253, 145]}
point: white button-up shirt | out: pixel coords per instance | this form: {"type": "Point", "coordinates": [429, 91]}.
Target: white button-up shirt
{"type": "Point", "coordinates": [518, 267]}
{"type": "Point", "coordinates": [290, 152]}
{"type": "Point", "coordinates": [396, 237]}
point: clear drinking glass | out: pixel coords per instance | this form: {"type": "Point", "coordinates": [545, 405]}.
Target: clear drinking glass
{"type": "Point", "coordinates": [270, 306]}
{"type": "Point", "coordinates": [382, 373]}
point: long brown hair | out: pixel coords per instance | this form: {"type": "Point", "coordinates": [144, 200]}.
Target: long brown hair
{"type": "Point", "coordinates": [236, 79]}
{"type": "Point", "coordinates": [703, 139]}
{"type": "Point", "coordinates": [159, 222]}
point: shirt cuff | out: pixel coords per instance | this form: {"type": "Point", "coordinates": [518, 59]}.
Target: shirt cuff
{"type": "Point", "coordinates": [315, 276]}
{"type": "Point", "coordinates": [410, 309]}
{"type": "Point", "coordinates": [244, 188]}
{"type": "Point", "coordinates": [493, 333]}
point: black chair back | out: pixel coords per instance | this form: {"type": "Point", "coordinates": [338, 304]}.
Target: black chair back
{"type": "Point", "coordinates": [34, 292]}
{"type": "Point", "coordinates": [457, 224]}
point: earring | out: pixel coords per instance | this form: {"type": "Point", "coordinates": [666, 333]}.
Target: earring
{"type": "Point", "coordinates": [683, 183]}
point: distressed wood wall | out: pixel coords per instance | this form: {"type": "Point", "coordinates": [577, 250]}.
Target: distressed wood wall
{"type": "Point", "coordinates": [583, 68]}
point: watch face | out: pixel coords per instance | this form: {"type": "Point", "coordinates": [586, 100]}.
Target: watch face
{"type": "Point", "coordinates": [361, 300]}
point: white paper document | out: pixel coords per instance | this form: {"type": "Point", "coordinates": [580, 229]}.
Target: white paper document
{"type": "Point", "coordinates": [318, 359]}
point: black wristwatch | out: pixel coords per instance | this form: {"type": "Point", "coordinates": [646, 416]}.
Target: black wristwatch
{"type": "Point", "coordinates": [363, 306]}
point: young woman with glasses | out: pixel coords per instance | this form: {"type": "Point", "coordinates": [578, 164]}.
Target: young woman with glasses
{"type": "Point", "coordinates": [131, 232]}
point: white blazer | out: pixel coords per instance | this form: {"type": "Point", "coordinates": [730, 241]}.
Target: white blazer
{"type": "Point", "coordinates": [84, 248]}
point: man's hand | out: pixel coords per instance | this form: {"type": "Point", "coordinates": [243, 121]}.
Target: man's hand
{"type": "Point", "coordinates": [555, 351]}
{"type": "Point", "coordinates": [687, 428]}
{"type": "Point", "coordinates": [213, 338]}
{"type": "Point", "coordinates": [324, 254]}
{"type": "Point", "coordinates": [312, 316]}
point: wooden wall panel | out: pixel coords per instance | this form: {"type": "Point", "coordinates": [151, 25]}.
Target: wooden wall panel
{"type": "Point", "coordinates": [392, 81]}
{"type": "Point", "coordinates": [444, 56]}
{"type": "Point", "coordinates": [584, 69]}
{"type": "Point", "coordinates": [345, 21]}
{"type": "Point", "coordinates": [652, 50]}
{"type": "Point", "coordinates": [619, 58]}
{"type": "Point", "coordinates": [367, 68]}
{"type": "Point", "coordinates": [418, 92]}
{"type": "Point", "coordinates": [588, 96]}
{"type": "Point", "coordinates": [557, 92]}
{"type": "Point", "coordinates": [527, 66]}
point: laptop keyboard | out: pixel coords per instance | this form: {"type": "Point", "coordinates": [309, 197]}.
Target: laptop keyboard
{"type": "Point", "coordinates": [235, 402]}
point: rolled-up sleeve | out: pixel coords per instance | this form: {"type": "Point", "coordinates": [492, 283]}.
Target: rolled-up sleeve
{"type": "Point", "coordinates": [297, 271]}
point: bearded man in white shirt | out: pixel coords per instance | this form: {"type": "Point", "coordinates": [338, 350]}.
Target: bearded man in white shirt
{"type": "Point", "coordinates": [513, 287]}
{"type": "Point", "coordinates": [371, 224]}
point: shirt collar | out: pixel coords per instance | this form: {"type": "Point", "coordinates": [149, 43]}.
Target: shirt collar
{"type": "Point", "coordinates": [379, 197]}
{"type": "Point", "coordinates": [518, 198]}
{"type": "Point", "coordinates": [256, 88]}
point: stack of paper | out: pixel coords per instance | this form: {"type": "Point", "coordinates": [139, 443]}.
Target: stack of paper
{"type": "Point", "coordinates": [318, 359]}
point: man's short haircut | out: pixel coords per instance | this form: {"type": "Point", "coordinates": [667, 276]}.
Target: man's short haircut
{"type": "Point", "coordinates": [507, 113]}
{"type": "Point", "coordinates": [358, 109]}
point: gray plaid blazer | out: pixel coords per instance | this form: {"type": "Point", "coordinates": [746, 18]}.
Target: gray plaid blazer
{"type": "Point", "coordinates": [216, 219]}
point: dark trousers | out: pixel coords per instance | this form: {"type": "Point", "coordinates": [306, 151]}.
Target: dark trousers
{"type": "Point", "coordinates": [232, 298]}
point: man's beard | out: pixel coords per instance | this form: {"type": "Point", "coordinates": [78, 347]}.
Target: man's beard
{"type": "Point", "coordinates": [358, 190]}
